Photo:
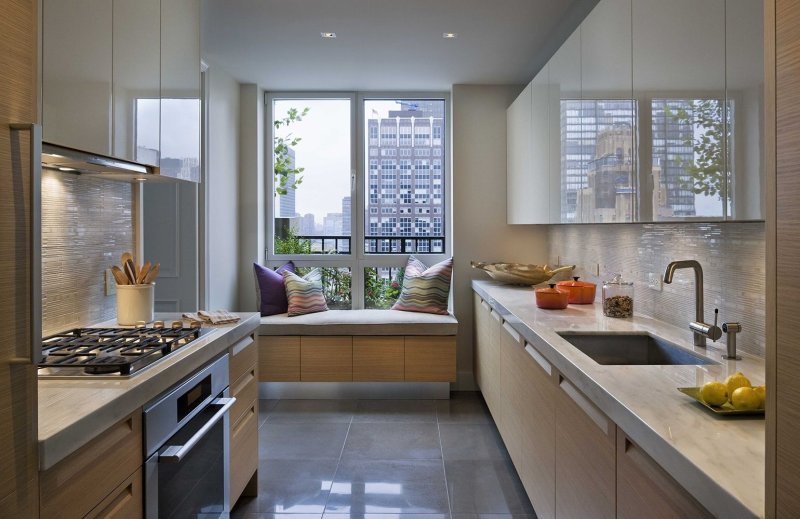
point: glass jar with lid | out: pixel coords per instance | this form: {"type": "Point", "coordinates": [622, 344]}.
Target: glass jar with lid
{"type": "Point", "coordinates": [617, 297]}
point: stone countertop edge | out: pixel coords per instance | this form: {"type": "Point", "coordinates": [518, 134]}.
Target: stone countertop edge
{"type": "Point", "coordinates": [74, 411]}
{"type": "Point", "coordinates": [705, 464]}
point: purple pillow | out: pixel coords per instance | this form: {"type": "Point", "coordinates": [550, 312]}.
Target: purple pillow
{"type": "Point", "coordinates": [270, 290]}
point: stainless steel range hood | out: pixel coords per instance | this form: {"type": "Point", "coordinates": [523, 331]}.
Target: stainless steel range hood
{"type": "Point", "coordinates": [70, 160]}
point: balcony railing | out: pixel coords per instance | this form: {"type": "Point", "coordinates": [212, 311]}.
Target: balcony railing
{"type": "Point", "coordinates": [376, 244]}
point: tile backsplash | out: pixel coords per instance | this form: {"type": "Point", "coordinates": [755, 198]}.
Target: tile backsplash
{"type": "Point", "coordinates": [732, 255]}
{"type": "Point", "coordinates": [87, 223]}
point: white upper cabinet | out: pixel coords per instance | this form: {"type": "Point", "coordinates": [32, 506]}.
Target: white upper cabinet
{"type": "Point", "coordinates": [180, 89]}
{"type": "Point", "coordinates": [136, 80]}
{"type": "Point", "coordinates": [654, 113]}
{"type": "Point", "coordinates": [519, 179]}
{"type": "Point", "coordinates": [76, 75]}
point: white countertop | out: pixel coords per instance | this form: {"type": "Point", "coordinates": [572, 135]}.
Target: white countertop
{"type": "Point", "coordinates": [73, 411]}
{"type": "Point", "coordinates": [720, 461]}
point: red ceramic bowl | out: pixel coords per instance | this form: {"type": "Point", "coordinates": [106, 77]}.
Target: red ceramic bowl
{"type": "Point", "coordinates": [580, 292]}
{"type": "Point", "coordinates": [552, 298]}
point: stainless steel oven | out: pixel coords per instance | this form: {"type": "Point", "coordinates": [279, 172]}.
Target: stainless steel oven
{"type": "Point", "coordinates": [186, 447]}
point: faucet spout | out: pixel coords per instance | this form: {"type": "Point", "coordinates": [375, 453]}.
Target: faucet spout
{"type": "Point", "coordinates": [699, 338]}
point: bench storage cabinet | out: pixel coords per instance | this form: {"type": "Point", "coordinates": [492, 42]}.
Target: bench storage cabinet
{"type": "Point", "coordinates": [358, 346]}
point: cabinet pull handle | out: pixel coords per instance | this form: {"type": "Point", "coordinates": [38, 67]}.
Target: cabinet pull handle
{"type": "Point", "coordinates": [242, 344]}
{"type": "Point", "coordinates": [35, 156]}
{"type": "Point", "coordinates": [496, 316]}
{"type": "Point", "coordinates": [485, 305]}
{"type": "Point", "coordinates": [511, 331]}
{"type": "Point", "coordinates": [539, 359]}
{"type": "Point", "coordinates": [589, 408]}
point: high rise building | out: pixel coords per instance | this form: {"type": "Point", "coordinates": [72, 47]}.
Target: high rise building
{"type": "Point", "coordinates": [287, 201]}
{"type": "Point", "coordinates": [308, 226]}
{"type": "Point", "coordinates": [405, 152]}
{"type": "Point", "coordinates": [346, 218]}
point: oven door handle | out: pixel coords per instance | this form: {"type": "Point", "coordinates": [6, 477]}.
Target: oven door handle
{"type": "Point", "coordinates": [176, 453]}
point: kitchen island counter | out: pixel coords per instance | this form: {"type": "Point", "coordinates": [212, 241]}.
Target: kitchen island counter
{"type": "Point", "coordinates": [73, 411]}
{"type": "Point", "coordinates": [718, 460]}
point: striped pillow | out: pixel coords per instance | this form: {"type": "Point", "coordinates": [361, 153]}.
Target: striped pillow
{"type": "Point", "coordinates": [425, 289]}
{"type": "Point", "coordinates": [304, 293]}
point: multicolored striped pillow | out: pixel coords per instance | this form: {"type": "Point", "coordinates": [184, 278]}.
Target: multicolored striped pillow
{"type": "Point", "coordinates": [304, 293]}
{"type": "Point", "coordinates": [425, 289]}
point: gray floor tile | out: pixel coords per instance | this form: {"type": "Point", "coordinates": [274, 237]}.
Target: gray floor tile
{"type": "Point", "coordinates": [359, 515]}
{"type": "Point", "coordinates": [388, 487]}
{"type": "Point", "coordinates": [393, 411]}
{"type": "Point", "coordinates": [485, 487]}
{"type": "Point", "coordinates": [494, 516]}
{"type": "Point", "coordinates": [265, 407]}
{"type": "Point", "coordinates": [392, 441]}
{"type": "Point", "coordinates": [312, 411]}
{"type": "Point", "coordinates": [472, 442]}
{"type": "Point", "coordinates": [291, 487]}
{"type": "Point", "coordinates": [463, 407]}
{"type": "Point", "coordinates": [302, 440]}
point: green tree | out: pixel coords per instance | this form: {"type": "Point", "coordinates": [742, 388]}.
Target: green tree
{"type": "Point", "coordinates": [283, 161]}
{"type": "Point", "coordinates": [707, 171]}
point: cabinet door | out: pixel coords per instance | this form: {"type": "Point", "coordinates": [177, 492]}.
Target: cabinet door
{"type": "Point", "coordinates": [537, 200]}
{"type": "Point", "coordinates": [606, 117]}
{"type": "Point", "coordinates": [644, 489]}
{"type": "Point", "coordinates": [529, 428]}
{"type": "Point", "coordinates": [18, 413]}
{"type": "Point", "coordinates": [136, 80]}
{"type": "Point", "coordinates": [520, 183]}
{"type": "Point", "coordinates": [564, 79]}
{"type": "Point", "coordinates": [585, 457]}
{"type": "Point", "coordinates": [180, 89]}
{"type": "Point", "coordinates": [487, 357]}
{"type": "Point", "coordinates": [76, 73]}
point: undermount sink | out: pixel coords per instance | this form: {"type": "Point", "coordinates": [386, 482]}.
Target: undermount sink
{"type": "Point", "coordinates": [632, 349]}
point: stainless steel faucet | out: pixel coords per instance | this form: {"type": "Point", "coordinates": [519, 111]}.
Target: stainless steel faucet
{"type": "Point", "coordinates": [700, 329]}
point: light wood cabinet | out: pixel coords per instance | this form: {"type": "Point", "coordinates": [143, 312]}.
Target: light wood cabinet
{"type": "Point", "coordinates": [378, 359]}
{"type": "Point", "coordinates": [83, 480]}
{"type": "Point", "coordinates": [125, 502]}
{"type": "Point", "coordinates": [529, 429]}
{"type": "Point", "coordinates": [326, 359]}
{"type": "Point", "coordinates": [243, 418]}
{"type": "Point", "coordinates": [585, 456]}
{"type": "Point", "coordinates": [644, 489]}
{"type": "Point", "coordinates": [18, 401]}
{"type": "Point", "coordinates": [430, 358]}
{"type": "Point", "coordinates": [279, 358]}
{"type": "Point", "coordinates": [487, 355]}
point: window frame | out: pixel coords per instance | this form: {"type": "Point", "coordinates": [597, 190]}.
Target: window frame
{"type": "Point", "coordinates": [358, 259]}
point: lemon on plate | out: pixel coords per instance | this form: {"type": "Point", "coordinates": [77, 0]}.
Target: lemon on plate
{"type": "Point", "coordinates": [745, 399]}
{"type": "Point", "coordinates": [736, 381]}
{"type": "Point", "coordinates": [714, 393]}
{"type": "Point", "coordinates": [761, 391]}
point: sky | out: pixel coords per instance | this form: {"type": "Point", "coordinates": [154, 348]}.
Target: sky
{"type": "Point", "coordinates": [324, 152]}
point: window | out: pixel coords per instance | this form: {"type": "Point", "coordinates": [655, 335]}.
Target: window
{"type": "Point", "coordinates": [392, 199]}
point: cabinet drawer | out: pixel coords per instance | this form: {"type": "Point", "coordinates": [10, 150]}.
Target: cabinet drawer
{"type": "Point", "coordinates": [279, 358]}
{"type": "Point", "coordinates": [378, 359]}
{"type": "Point", "coordinates": [243, 354]}
{"type": "Point", "coordinates": [430, 359]}
{"type": "Point", "coordinates": [244, 390]}
{"type": "Point", "coordinates": [244, 450]}
{"type": "Point", "coordinates": [77, 484]}
{"type": "Point", "coordinates": [125, 502]}
{"type": "Point", "coordinates": [326, 359]}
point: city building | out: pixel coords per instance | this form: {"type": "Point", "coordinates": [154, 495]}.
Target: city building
{"type": "Point", "coordinates": [287, 202]}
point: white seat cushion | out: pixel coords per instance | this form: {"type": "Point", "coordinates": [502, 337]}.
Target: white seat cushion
{"type": "Point", "coordinates": [359, 322]}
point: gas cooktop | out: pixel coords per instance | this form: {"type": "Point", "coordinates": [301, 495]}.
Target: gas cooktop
{"type": "Point", "coordinates": [111, 352]}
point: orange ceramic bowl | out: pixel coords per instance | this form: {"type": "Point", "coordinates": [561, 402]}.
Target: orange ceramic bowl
{"type": "Point", "coordinates": [552, 298]}
{"type": "Point", "coordinates": [580, 292]}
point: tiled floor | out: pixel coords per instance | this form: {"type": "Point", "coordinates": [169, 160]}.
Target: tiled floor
{"type": "Point", "coordinates": [381, 459]}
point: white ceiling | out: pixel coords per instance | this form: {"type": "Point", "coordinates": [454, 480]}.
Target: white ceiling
{"type": "Point", "coordinates": [383, 44]}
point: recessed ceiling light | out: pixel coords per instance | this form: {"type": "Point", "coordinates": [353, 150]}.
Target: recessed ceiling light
{"type": "Point", "coordinates": [449, 35]}
{"type": "Point", "coordinates": [67, 169]}
{"type": "Point", "coordinates": [328, 34]}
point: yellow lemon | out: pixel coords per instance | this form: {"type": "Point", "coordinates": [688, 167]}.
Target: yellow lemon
{"type": "Point", "coordinates": [714, 393]}
{"type": "Point", "coordinates": [761, 391]}
{"type": "Point", "coordinates": [735, 381]}
{"type": "Point", "coordinates": [745, 398]}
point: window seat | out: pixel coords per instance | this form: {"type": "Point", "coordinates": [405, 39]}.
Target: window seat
{"type": "Point", "coordinates": [358, 346]}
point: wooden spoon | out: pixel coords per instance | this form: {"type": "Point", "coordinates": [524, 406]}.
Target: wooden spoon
{"type": "Point", "coordinates": [143, 273]}
{"type": "Point", "coordinates": [130, 270]}
{"type": "Point", "coordinates": [152, 275]}
{"type": "Point", "coordinates": [119, 276]}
